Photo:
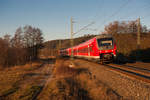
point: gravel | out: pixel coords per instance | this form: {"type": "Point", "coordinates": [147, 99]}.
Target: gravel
{"type": "Point", "coordinates": [129, 88]}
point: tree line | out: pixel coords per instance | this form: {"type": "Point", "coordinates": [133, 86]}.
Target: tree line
{"type": "Point", "coordinates": [124, 27]}
{"type": "Point", "coordinates": [22, 47]}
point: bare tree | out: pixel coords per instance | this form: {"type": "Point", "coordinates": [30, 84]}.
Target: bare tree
{"type": "Point", "coordinates": [17, 40]}
{"type": "Point", "coordinates": [4, 52]}
{"type": "Point", "coordinates": [112, 28]}
{"type": "Point", "coordinates": [123, 27]}
{"type": "Point", "coordinates": [22, 47]}
{"type": "Point", "coordinates": [33, 39]}
{"type": "Point", "coordinates": [144, 29]}
{"type": "Point", "coordinates": [7, 38]}
{"type": "Point", "coordinates": [132, 26]}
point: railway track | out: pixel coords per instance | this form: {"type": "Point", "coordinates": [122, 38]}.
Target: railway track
{"type": "Point", "coordinates": [132, 71]}
{"type": "Point", "coordinates": [142, 74]}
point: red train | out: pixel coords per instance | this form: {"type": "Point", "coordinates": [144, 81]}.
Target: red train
{"type": "Point", "coordinates": [101, 48]}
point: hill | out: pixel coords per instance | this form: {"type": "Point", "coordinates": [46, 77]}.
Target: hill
{"type": "Point", "coordinates": [126, 45]}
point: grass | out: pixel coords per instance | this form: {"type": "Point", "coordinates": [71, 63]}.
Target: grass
{"type": "Point", "coordinates": [12, 80]}
{"type": "Point", "coordinates": [31, 93]}
{"type": "Point", "coordinates": [8, 92]}
{"type": "Point", "coordinates": [64, 89]}
{"type": "Point", "coordinates": [62, 68]}
{"type": "Point", "coordinates": [76, 84]}
{"type": "Point", "coordinates": [127, 46]}
{"type": "Point", "coordinates": [67, 83]}
{"type": "Point", "coordinates": [96, 88]}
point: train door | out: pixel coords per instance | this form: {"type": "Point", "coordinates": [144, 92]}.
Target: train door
{"type": "Point", "coordinates": [88, 50]}
{"type": "Point", "coordinates": [91, 49]}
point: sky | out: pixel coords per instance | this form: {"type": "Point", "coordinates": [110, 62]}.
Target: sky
{"type": "Point", "coordinates": [53, 16]}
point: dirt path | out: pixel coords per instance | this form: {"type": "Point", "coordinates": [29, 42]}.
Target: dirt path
{"type": "Point", "coordinates": [75, 83]}
{"type": "Point", "coordinates": [27, 83]}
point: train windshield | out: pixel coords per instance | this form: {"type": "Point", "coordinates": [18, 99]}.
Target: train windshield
{"type": "Point", "coordinates": [105, 43]}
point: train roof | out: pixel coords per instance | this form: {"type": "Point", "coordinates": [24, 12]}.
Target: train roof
{"type": "Point", "coordinates": [91, 40]}
{"type": "Point", "coordinates": [85, 43]}
{"type": "Point", "coordinates": [104, 36]}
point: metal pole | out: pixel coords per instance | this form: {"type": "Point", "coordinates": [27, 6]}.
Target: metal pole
{"type": "Point", "coordinates": [59, 46]}
{"type": "Point", "coordinates": [138, 39]}
{"type": "Point", "coordinates": [73, 33]}
{"type": "Point", "coordinates": [138, 34]}
{"type": "Point", "coordinates": [71, 39]}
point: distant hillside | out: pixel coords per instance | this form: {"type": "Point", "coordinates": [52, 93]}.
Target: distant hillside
{"type": "Point", "coordinates": [126, 45]}
{"type": "Point", "coordinates": [50, 48]}
{"type": "Point", "coordinates": [65, 43]}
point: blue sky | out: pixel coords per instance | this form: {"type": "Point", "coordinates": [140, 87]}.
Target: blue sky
{"type": "Point", "coordinates": [53, 16]}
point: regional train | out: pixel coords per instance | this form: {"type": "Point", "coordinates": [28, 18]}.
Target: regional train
{"type": "Point", "coordinates": [102, 48]}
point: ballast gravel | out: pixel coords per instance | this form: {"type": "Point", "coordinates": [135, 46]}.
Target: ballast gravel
{"type": "Point", "coordinates": [126, 86]}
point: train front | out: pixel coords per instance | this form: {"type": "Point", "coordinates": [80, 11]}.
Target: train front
{"type": "Point", "coordinates": [107, 48]}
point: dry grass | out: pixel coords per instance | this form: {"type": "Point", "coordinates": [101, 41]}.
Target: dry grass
{"type": "Point", "coordinates": [62, 68]}
{"type": "Point", "coordinates": [67, 83]}
{"type": "Point", "coordinates": [31, 93]}
{"type": "Point", "coordinates": [97, 89]}
{"type": "Point", "coordinates": [76, 84]}
{"type": "Point", "coordinates": [12, 80]}
{"type": "Point", "coordinates": [64, 89]}
{"type": "Point", "coordinates": [127, 45]}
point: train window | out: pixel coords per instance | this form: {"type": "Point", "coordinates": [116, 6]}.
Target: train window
{"type": "Point", "coordinates": [105, 42]}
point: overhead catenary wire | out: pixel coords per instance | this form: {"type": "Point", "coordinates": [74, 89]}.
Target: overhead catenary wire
{"type": "Point", "coordinates": [115, 13]}
{"type": "Point", "coordinates": [84, 28]}
{"type": "Point", "coordinates": [99, 8]}
{"type": "Point", "coordinates": [92, 22]}
{"type": "Point", "coordinates": [112, 15]}
{"type": "Point", "coordinates": [104, 21]}
{"type": "Point", "coordinates": [146, 6]}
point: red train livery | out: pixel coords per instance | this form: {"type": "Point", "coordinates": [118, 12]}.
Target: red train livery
{"type": "Point", "coordinates": [102, 47]}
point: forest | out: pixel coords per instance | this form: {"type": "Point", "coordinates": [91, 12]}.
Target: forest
{"type": "Point", "coordinates": [28, 43]}
{"type": "Point", "coordinates": [20, 48]}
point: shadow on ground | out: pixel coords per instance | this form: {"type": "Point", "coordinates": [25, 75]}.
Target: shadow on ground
{"type": "Point", "coordinates": [142, 55]}
{"type": "Point", "coordinates": [48, 60]}
{"type": "Point", "coordinates": [67, 89]}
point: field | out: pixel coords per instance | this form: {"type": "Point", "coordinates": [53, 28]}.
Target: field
{"type": "Point", "coordinates": [76, 83]}
{"type": "Point", "coordinates": [50, 80]}
{"type": "Point", "coordinates": [23, 82]}
{"type": "Point", "coordinates": [63, 79]}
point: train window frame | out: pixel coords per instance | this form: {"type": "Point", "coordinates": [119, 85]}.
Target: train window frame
{"type": "Point", "coordinates": [103, 38]}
